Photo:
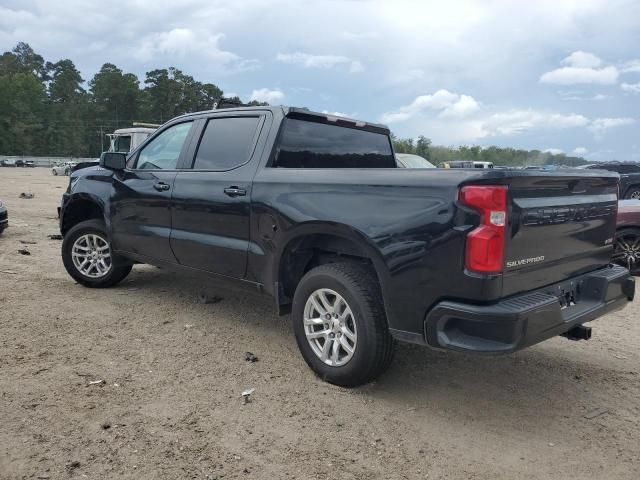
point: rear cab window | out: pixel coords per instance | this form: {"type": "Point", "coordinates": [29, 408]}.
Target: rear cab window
{"type": "Point", "coordinates": [314, 144]}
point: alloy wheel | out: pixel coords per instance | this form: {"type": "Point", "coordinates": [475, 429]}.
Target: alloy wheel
{"type": "Point", "coordinates": [330, 327]}
{"type": "Point", "coordinates": [91, 255]}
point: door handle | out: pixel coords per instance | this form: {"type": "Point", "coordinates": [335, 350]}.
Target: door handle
{"type": "Point", "coordinates": [235, 191]}
{"type": "Point", "coordinates": [161, 186]}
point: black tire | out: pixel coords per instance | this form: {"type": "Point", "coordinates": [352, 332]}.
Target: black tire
{"type": "Point", "coordinates": [120, 267]}
{"type": "Point", "coordinates": [633, 192]}
{"type": "Point", "coordinates": [627, 254]}
{"type": "Point", "coordinates": [358, 285]}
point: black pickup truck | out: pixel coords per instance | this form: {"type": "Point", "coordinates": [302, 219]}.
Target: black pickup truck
{"type": "Point", "coordinates": [313, 210]}
{"type": "Point", "coordinates": [629, 177]}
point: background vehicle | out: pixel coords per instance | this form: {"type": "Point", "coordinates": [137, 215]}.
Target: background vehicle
{"type": "Point", "coordinates": [127, 139]}
{"type": "Point", "coordinates": [409, 160]}
{"type": "Point", "coordinates": [7, 163]}
{"type": "Point", "coordinates": [312, 209]}
{"type": "Point", "coordinates": [629, 177]}
{"type": "Point", "coordinates": [29, 164]}
{"type": "Point", "coordinates": [4, 217]}
{"type": "Point", "coordinates": [19, 163]}
{"type": "Point", "coordinates": [627, 246]}
{"type": "Point", "coordinates": [63, 168]}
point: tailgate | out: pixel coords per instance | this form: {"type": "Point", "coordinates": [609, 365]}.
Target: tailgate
{"type": "Point", "coordinates": [559, 227]}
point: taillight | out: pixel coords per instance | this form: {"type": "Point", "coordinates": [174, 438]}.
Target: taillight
{"type": "Point", "coordinates": [486, 243]}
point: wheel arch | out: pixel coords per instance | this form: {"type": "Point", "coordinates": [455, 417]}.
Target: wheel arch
{"type": "Point", "coordinates": [79, 208]}
{"type": "Point", "coordinates": [314, 244]}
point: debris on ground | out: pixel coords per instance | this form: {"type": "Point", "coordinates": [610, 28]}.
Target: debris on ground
{"type": "Point", "coordinates": [24, 251]}
{"type": "Point", "coordinates": [246, 395]}
{"type": "Point", "coordinates": [250, 357]}
{"type": "Point", "coordinates": [72, 466]}
{"type": "Point", "coordinates": [96, 382]}
{"type": "Point", "coordinates": [55, 237]}
{"type": "Point", "coordinates": [188, 326]}
{"type": "Point", "coordinates": [27, 242]}
{"type": "Point", "coordinates": [596, 413]}
{"type": "Point", "coordinates": [206, 299]}
{"type": "Point", "coordinates": [27, 195]}
{"type": "Point", "coordinates": [9, 272]}
{"type": "Point", "coordinates": [105, 425]}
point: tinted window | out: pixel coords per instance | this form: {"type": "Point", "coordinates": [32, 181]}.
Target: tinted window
{"type": "Point", "coordinates": [305, 144]}
{"type": "Point", "coordinates": [163, 152]}
{"type": "Point", "coordinates": [226, 143]}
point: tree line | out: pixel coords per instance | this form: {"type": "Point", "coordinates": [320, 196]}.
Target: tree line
{"type": "Point", "coordinates": [48, 109]}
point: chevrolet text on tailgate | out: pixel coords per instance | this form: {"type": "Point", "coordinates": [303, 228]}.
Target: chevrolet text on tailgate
{"type": "Point", "coordinates": [313, 210]}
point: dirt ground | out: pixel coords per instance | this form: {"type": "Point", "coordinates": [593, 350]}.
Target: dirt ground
{"type": "Point", "coordinates": [174, 370]}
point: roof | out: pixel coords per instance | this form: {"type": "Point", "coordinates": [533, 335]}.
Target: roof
{"type": "Point", "coordinates": [297, 112]}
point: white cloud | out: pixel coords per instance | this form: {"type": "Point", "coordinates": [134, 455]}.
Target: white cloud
{"type": "Point", "coordinates": [580, 151]}
{"type": "Point", "coordinates": [448, 104]}
{"type": "Point", "coordinates": [359, 35]}
{"type": "Point", "coordinates": [520, 121]}
{"type": "Point", "coordinates": [554, 151]}
{"type": "Point", "coordinates": [631, 87]}
{"type": "Point", "coordinates": [581, 67]}
{"type": "Point", "coordinates": [308, 60]}
{"type": "Point", "coordinates": [600, 125]}
{"type": "Point", "coordinates": [267, 95]}
{"type": "Point", "coordinates": [582, 59]}
{"type": "Point", "coordinates": [182, 43]}
{"type": "Point", "coordinates": [575, 75]}
{"type": "Point", "coordinates": [632, 66]}
{"type": "Point", "coordinates": [600, 96]}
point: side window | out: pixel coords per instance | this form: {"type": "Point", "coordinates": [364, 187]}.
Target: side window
{"type": "Point", "coordinates": [122, 144]}
{"type": "Point", "coordinates": [226, 143]}
{"type": "Point", "coordinates": [163, 152]}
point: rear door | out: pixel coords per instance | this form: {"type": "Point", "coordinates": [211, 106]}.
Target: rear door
{"type": "Point", "coordinates": [141, 201]}
{"type": "Point", "coordinates": [212, 195]}
{"type": "Point", "coordinates": [559, 226]}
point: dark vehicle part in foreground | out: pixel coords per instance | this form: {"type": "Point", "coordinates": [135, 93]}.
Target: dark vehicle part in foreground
{"type": "Point", "coordinates": [627, 246]}
{"type": "Point", "coordinates": [629, 177]}
{"type": "Point", "coordinates": [312, 209]}
{"type": "Point", "coordinates": [4, 218]}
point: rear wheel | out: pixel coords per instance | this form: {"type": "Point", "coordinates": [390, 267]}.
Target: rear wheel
{"type": "Point", "coordinates": [340, 324]}
{"type": "Point", "coordinates": [626, 250]}
{"type": "Point", "coordinates": [633, 193]}
{"type": "Point", "coordinates": [54, 172]}
{"type": "Point", "coordinates": [87, 256]}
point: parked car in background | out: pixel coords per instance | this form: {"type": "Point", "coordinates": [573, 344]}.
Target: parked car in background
{"type": "Point", "coordinates": [4, 217]}
{"type": "Point", "coordinates": [63, 168]}
{"type": "Point", "coordinates": [629, 177]}
{"type": "Point", "coordinates": [7, 163]}
{"type": "Point", "coordinates": [29, 164]}
{"type": "Point", "coordinates": [409, 160]}
{"type": "Point", "coordinates": [19, 163]}
{"type": "Point", "coordinates": [313, 210]}
{"type": "Point", "coordinates": [627, 244]}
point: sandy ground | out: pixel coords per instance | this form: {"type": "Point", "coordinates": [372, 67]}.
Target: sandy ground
{"type": "Point", "coordinates": [174, 370]}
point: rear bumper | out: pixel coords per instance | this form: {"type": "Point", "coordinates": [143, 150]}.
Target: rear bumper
{"type": "Point", "coordinates": [526, 319]}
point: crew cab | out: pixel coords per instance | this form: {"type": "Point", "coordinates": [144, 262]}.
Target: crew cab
{"type": "Point", "coordinates": [313, 210]}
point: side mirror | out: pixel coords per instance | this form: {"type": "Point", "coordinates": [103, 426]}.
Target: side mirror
{"type": "Point", "coordinates": [113, 160]}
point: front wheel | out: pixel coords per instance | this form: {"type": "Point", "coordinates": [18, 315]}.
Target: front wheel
{"type": "Point", "coordinates": [340, 324]}
{"type": "Point", "coordinates": [87, 256]}
{"type": "Point", "coordinates": [54, 172]}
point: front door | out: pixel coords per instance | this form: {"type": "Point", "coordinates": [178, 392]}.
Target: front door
{"type": "Point", "coordinates": [211, 199]}
{"type": "Point", "coordinates": [141, 201]}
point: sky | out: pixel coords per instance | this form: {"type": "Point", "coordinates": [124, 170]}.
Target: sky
{"type": "Point", "coordinates": [561, 75]}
